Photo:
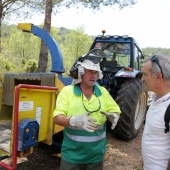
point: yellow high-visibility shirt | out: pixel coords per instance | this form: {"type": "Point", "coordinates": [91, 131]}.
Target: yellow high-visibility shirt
{"type": "Point", "coordinates": [70, 101]}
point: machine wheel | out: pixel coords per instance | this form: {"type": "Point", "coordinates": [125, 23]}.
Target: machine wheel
{"type": "Point", "coordinates": [132, 99]}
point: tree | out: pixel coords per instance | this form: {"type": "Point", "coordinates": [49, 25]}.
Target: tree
{"type": "Point", "coordinates": [43, 57]}
{"type": "Point", "coordinates": [76, 44]}
{"type": "Point", "coordinates": [19, 47]}
{"type": "Point", "coordinates": [94, 4]}
{"type": "Point", "coordinates": [8, 7]}
{"type": "Point", "coordinates": [23, 46]}
{"type": "Point", "coordinates": [97, 4]}
{"type": "Point", "coordinates": [149, 51]}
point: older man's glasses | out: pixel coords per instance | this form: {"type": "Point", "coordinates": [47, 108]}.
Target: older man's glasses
{"type": "Point", "coordinates": [155, 59]}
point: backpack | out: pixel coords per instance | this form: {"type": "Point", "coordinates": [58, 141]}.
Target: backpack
{"type": "Point", "coordinates": [167, 119]}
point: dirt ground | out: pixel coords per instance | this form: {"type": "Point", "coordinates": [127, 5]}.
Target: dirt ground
{"type": "Point", "coordinates": [121, 155]}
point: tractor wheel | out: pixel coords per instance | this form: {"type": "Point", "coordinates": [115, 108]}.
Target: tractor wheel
{"type": "Point", "coordinates": [132, 100]}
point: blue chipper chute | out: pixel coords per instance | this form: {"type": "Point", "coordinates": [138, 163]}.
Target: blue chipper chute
{"type": "Point", "coordinates": [56, 56]}
{"type": "Point", "coordinates": [28, 130]}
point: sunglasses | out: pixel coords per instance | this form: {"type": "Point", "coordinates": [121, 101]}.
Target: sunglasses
{"type": "Point", "coordinates": [155, 59]}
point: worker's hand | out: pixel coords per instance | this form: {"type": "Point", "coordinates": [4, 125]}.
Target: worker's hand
{"type": "Point", "coordinates": [84, 121]}
{"type": "Point", "coordinates": [112, 117]}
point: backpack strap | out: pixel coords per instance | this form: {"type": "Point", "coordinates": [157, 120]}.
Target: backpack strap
{"type": "Point", "coordinates": [167, 119]}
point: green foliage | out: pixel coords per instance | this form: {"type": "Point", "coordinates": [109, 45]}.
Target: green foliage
{"type": "Point", "coordinates": [151, 51]}
{"type": "Point", "coordinates": [24, 45]}
{"type": "Point", "coordinates": [11, 9]}
{"type": "Point", "coordinates": [5, 65]}
{"type": "Point", "coordinates": [21, 8]}
{"type": "Point", "coordinates": [54, 32]}
{"type": "Point", "coordinates": [97, 4]}
{"type": "Point", "coordinates": [31, 66]}
{"type": "Point", "coordinates": [6, 31]}
{"type": "Point", "coordinates": [20, 50]}
{"type": "Point", "coordinates": [75, 44]}
{"type": "Point", "coordinates": [62, 33]}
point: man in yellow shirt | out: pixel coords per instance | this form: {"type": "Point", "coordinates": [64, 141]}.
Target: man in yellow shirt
{"type": "Point", "coordinates": [82, 108]}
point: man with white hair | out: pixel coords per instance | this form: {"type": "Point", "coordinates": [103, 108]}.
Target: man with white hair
{"type": "Point", "coordinates": [82, 109]}
{"type": "Point", "coordinates": [156, 135]}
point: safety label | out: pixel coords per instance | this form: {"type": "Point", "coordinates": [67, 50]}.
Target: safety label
{"type": "Point", "coordinates": [26, 106]}
{"type": "Point", "coordinates": [38, 114]}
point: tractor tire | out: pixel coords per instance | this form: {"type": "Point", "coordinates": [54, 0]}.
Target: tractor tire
{"type": "Point", "coordinates": [132, 100]}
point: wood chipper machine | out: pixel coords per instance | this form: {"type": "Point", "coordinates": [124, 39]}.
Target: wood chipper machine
{"type": "Point", "coordinates": [27, 104]}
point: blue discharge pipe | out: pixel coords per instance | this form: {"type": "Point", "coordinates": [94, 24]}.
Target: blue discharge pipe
{"type": "Point", "coordinates": [56, 56]}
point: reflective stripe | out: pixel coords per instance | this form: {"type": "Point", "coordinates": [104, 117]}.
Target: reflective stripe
{"type": "Point", "coordinates": [86, 138]}
{"type": "Point", "coordinates": [99, 127]}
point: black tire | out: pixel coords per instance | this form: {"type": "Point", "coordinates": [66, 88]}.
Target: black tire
{"type": "Point", "coordinates": [132, 100]}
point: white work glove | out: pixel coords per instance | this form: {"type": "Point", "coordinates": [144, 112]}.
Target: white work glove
{"type": "Point", "coordinates": [112, 117]}
{"type": "Point", "coordinates": [84, 121]}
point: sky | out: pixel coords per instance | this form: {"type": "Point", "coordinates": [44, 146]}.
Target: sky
{"type": "Point", "coordinates": [148, 21]}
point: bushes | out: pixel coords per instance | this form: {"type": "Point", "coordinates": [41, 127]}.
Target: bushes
{"type": "Point", "coordinates": [31, 66]}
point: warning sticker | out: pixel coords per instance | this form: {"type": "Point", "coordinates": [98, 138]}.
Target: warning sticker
{"type": "Point", "coordinates": [26, 106]}
{"type": "Point", "coordinates": [38, 114]}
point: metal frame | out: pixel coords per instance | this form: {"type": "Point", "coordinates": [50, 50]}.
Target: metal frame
{"type": "Point", "coordinates": [16, 110]}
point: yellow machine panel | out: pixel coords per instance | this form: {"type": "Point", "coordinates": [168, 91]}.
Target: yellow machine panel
{"type": "Point", "coordinates": [39, 104]}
